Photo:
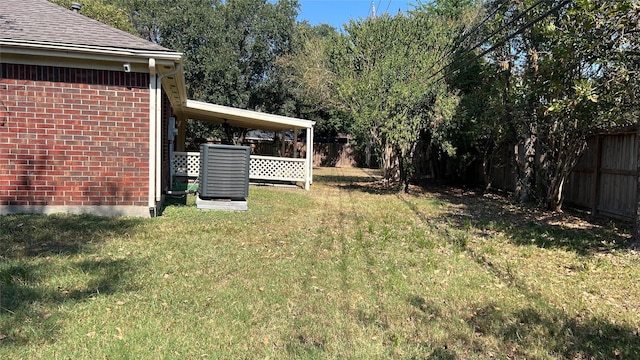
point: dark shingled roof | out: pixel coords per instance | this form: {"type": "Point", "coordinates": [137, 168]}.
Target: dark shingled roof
{"type": "Point", "coordinates": [45, 22]}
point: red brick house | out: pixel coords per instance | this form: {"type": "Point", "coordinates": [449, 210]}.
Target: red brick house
{"type": "Point", "coordinates": [85, 112]}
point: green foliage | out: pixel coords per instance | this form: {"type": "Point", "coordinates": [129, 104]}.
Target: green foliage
{"type": "Point", "coordinates": [380, 73]}
{"type": "Point", "coordinates": [230, 49]}
{"type": "Point", "coordinates": [548, 87]}
{"type": "Point", "coordinates": [450, 8]}
{"type": "Point", "coordinates": [257, 33]}
{"type": "Point", "coordinates": [309, 81]}
{"type": "Point", "coordinates": [589, 46]}
{"type": "Point", "coordinates": [373, 82]}
{"type": "Point", "coordinates": [101, 10]}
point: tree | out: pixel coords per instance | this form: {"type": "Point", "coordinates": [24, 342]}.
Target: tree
{"type": "Point", "coordinates": [102, 11]}
{"type": "Point", "coordinates": [561, 70]}
{"type": "Point", "coordinates": [309, 79]}
{"type": "Point", "coordinates": [256, 34]}
{"type": "Point", "coordinates": [583, 84]}
{"type": "Point", "coordinates": [378, 72]}
{"type": "Point", "coordinates": [455, 9]}
{"type": "Point", "coordinates": [230, 48]}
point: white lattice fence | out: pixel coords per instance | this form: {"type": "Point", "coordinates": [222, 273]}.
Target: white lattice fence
{"type": "Point", "coordinates": [261, 167]}
{"type": "Point", "coordinates": [185, 164]}
{"type": "Point", "coordinates": [277, 168]}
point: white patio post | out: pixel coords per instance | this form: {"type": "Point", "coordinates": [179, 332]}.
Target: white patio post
{"type": "Point", "coordinates": [311, 152]}
{"type": "Point", "coordinates": [309, 159]}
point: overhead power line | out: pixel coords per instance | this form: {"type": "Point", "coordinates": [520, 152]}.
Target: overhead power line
{"type": "Point", "coordinates": [466, 34]}
{"type": "Point", "coordinates": [475, 28]}
{"type": "Point", "coordinates": [386, 11]}
{"type": "Point", "coordinates": [509, 23]}
{"type": "Point", "coordinates": [507, 38]}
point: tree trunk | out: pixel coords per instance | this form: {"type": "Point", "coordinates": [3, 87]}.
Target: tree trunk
{"type": "Point", "coordinates": [402, 168]}
{"type": "Point", "coordinates": [526, 166]}
{"type": "Point", "coordinates": [559, 169]}
{"type": "Point", "coordinates": [242, 134]}
{"type": "Point", "coordinates": [554, 194]}
{"type": "Point", "coordinates": [528, 170]}
{"type": "Point", "coordinates": [487, 168]}
{"type": "Point", "coordinates": [390, 163]}
{"type": "Point", "coordinates": [409, 169]}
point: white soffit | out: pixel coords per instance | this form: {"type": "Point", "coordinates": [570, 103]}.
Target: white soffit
{"type": "Point", "coordinates": [198, 110]}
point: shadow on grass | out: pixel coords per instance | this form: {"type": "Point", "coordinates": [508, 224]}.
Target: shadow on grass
{"type": "Point", "coordinates": [524, 333]}
{"type": "Point", "coordinates": [544, 327]}
{"type": "Point", "coordinates": [36, 252]}
{"type": "Point", "coordinates": [367, 183]}
{"type": "Point", "coordinates": [374, 188]}
{"type": "Point", "coordinates": [24, 236]}
{"type": "Point", "coordinates": [341, 180]}
{"type": "Point", "coordinates": [28, 300]}
{"type": "Point", "coordinates": [173, 201]}
{"type": "Point", "coordinates": [526, 225]}
{"type": "Point", "coordinates": [442, 354]}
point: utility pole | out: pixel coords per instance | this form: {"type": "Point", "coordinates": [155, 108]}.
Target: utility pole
{"type": "Point", "coordinates": [373, 9]}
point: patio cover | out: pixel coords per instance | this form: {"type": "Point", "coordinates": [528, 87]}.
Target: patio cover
{"type": "Point", "coordinates": [242, 118]}
{"type": "Point", "coordinates": [248, 119]}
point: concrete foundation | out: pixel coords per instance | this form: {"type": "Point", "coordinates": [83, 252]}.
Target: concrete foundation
{"type": "Point", "coordinates": [221, 204]}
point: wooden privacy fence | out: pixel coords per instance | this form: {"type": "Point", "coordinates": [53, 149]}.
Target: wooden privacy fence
{"type": "Point", "coordinates": [338, 154]}
{"type": "Point", "coordinates": [334, 154]}
{"type": "Point", "coordinates": [606, 176]}
{"type": "Point", "coordinates": [604, 180]}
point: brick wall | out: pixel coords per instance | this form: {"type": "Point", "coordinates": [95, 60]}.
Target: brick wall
{"type": "Point", "coordinates": [73, 136]}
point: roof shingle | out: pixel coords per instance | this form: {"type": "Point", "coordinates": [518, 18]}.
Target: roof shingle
{"type": "Point", "coordinates": [45, 22]}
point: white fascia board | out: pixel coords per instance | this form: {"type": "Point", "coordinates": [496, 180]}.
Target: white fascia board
{"type": "Point", "coordinates": [89, 52]}
{"type": "Point", "coordinates": [260, 119]}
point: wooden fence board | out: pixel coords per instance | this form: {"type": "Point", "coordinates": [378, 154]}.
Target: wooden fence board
{"type": "Point", "coordinates": [609, 169]}
{"type": "Point", "coordinates": [588, 159]}
{"type": "Point", "coordinates": [579, 189]}
{"type": "Point", "coordinates": [334, 154]}
{"type": "Point", "coordinates": [619, 152]}
{"type": "Point", "coordinates": [604, 180]}
{"type": "Point", "coordinates": [617, 195]}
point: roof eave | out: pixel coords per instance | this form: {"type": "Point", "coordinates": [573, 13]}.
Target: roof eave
{"type": "Point", "coordinates": [175, 85]}
{"type": "Point", "coordinates": [89, 52]}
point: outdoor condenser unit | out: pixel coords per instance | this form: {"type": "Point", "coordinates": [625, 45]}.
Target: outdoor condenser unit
{"type": "Point", "coordinates": [224, 172]}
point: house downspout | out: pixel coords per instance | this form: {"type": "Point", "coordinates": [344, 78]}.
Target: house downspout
{"type": "Point", "coordinates": [152, 136]}
{"type": "Point", "coordinates": [158, 148]}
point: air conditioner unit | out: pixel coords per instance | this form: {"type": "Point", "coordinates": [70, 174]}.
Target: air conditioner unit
{"type": "Point", "coordinates": [224, 172]}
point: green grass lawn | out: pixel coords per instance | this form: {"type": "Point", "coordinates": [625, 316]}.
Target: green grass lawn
{"type": "Point", "coordinates": [348, 270]}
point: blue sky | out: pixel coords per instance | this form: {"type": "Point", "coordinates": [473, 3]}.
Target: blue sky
{"type": "Point", "coordinates": [338, 12]}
